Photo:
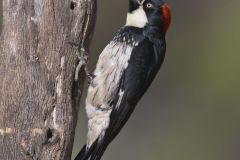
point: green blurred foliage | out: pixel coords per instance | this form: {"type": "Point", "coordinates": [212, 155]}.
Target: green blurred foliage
{"type": "Point", "coordinates": [191, 111]}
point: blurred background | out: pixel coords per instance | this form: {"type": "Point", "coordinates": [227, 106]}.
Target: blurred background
{"type": "Point", "coordinates": [192, 109]}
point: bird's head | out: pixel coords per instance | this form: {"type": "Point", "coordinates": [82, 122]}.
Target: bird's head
{"type": "Point", "coordinates": [142, 13]}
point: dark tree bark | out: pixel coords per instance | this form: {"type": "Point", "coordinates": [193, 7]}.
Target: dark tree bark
{"type": "Point", "coordinates": [39, 98]}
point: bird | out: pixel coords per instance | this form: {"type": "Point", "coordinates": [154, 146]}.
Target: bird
{"type": "Point", "coordinates": [124, 71]}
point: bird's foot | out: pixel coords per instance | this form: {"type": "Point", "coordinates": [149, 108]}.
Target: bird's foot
{"type": "Point", "coordinates": [90, 76]}
{"type": "Point", "coordinates": [82, 55]}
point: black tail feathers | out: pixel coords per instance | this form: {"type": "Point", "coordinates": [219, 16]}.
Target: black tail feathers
{"type": "Point", "coordinates": [85, 152]}
{"type": "Point", "coordinates": [95, 152]}
{"type": "Point", "coordinates": [98, 152]}
{"type": "Point", "coordinates": [82, 154]}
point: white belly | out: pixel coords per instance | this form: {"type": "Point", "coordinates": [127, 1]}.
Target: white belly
{"type": "Point", "coordinates": [111, 64]}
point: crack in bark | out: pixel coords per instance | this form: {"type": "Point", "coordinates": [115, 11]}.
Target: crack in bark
{"type": "Point", "coordinates": [54, 14]}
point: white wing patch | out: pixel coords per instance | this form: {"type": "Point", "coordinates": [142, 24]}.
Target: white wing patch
{"type": "Point", "coordinates": [110, 66]}
{"type": "Point", "coordinates": [120, 98]}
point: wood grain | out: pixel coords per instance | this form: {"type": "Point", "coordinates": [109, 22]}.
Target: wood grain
{"type": "Point", "coordinates": [39, 98]}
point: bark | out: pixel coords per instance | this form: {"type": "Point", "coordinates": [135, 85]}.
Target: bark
{"type": "Point", "coordinates": [39, 98]}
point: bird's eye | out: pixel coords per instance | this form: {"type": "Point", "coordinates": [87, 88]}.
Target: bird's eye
{"type": "Point", "coordinates": [149, 5]}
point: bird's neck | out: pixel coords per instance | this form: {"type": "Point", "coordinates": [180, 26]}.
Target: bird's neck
{"type": "Point", "coordinates": [153, 32]}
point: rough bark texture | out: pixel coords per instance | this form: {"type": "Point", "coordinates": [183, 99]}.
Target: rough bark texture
{"type": "Point", "coordinates": [39, 98]}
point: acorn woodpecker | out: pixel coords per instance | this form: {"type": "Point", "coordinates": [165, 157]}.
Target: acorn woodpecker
{"type": "Point", "coordinates": [124, 71]}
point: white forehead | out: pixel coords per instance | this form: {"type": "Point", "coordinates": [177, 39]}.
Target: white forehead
{"type": "Point", "coordinates": [140, 2]}
{"type": "Point", "coordinates": [137, 18]}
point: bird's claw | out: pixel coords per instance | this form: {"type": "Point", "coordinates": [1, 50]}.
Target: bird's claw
{"type": "Point", "coordinates": [83, 61]}
{"type": "Point", "coordinates": [90, 77]}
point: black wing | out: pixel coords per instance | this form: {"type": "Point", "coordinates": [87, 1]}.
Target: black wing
{"type": "Point", "coordinates": [144, 63]}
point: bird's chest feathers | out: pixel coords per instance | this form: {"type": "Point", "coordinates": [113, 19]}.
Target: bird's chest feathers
{"type": "Point", "coordinates": [110, 67]}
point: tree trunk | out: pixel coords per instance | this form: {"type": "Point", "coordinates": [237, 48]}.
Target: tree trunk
{"type": "Point", "coordinates": [39, 98]}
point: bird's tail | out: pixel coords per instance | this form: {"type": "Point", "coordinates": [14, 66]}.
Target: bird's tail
{"type": "Point", "coordinates": [85, 153]}
{"type": "Point", "coordinates": [98, 150]}
{"type": "Point", "coordinates": [82, 155]}
{"type": "Point", "coordinates": [95, 152]}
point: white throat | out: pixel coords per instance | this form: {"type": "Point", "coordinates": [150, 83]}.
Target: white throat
{"type": "Point", "coordinates": [137, 18]}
